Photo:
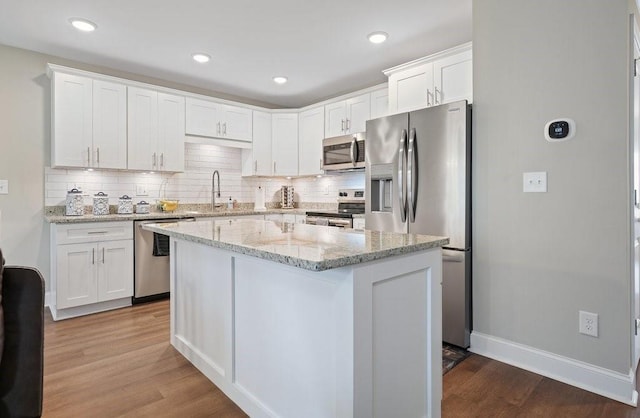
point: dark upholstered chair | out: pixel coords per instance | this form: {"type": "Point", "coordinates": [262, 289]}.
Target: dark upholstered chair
{"type": "Point", "coordinates": [21, 365]}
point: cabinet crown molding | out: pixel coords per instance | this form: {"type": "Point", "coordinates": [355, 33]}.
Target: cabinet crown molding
{"type": "Point", "coordinates": [442, 54]}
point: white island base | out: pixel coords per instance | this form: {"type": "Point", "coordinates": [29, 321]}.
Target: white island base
{"type": "Point", "coordinates": [356, 341]}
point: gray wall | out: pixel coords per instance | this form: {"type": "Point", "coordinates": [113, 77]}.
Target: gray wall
{"type": "Point", "coordinates": [25, 149]}
{"type": "Point", "coordinates": [541, 257]}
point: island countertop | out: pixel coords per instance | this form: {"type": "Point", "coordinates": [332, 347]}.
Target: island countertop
{"type": "Point", "coordinates": [310, 247]}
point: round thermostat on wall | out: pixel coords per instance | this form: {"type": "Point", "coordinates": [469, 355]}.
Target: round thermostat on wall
{"type": "Point", "coordinates": [559, 130]}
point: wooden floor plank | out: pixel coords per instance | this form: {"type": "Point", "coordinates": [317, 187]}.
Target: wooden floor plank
{"type": "Point", "coordinates": [121, 364]}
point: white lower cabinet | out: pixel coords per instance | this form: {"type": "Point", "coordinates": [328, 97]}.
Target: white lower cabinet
{"type": "Point", "coordinates": [92, 266]}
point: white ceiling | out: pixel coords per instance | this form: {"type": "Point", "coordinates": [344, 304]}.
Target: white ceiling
{"type": "Point", "coordinates": [321, 46]}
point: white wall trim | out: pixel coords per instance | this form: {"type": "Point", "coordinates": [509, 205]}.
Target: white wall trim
{"type": "Point", "coordinates": [47, 299]}
{"type": "Point", "coordinates": [613, 385]}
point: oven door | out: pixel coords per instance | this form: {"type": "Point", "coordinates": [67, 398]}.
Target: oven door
{"type": "Point", "coordinates": [343, 152]}
{"type": "Point", "coordinates": [329, 221]}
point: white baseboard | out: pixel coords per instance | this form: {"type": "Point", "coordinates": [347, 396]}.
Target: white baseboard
{"type": "Point", "coordinates": [613, 385]}
{"type": "Point", "coordinates": [47, 299]}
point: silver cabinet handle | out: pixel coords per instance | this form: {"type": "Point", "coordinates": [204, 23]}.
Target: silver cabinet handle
{"type": "Point", "coordinates": [274, 167]}
{"type": "Point", "coordinates": [218, 128]}
{"type": "Point", "coordinates": [98, 155]}
{"type": "Point", "coordinates": [435, 95]}
{"type": "Point", "coordinates": [412, 175]}
{"type": "Point", "coordinates": [88, 156]}
{"type": "Point", "coordinates": [162, 159]}
{"type": "Point", "coordinates": [342, 125]}
{"type": "Point", "coordinates": [224, 128]}
{"type": "Point", "coordinates": [96, 232]}
{"type": "Point", "coordinates": [255, 166]}
{"type": "Point", "coordinates": [102, 255]}
{"type": "Point", "coordinates": [93, 256]}
{"type": "Point", "coordinates": [154, 160]}
{"type": "Point", "coordinates": [320, 163]}
{"type": "Point", "coordinates": [402, 161]}
{"type": "Point", "coordinates": [428, 97]}
{"type": "Point", "coordinates": [348, 124]}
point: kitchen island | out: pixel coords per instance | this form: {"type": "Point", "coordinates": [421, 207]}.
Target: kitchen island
{"type": "Point", "coordinates": [294, 320]}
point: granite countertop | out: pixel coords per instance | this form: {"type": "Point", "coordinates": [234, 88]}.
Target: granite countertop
{"type": "Point", "coordinates": [180, 214]}
{"type": "Point", "coordinates": [310, 247]}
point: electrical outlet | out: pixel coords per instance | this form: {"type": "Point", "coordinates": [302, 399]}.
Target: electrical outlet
{"type": "Point", "coordinates": [4, 186]}
{"type": "Point", "coordinates": [588, 323]}
{"type": "Point", "coordinates": [141, 190]}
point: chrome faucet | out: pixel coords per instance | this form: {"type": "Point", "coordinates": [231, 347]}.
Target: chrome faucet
{"type": "Point", "coordinates": [213, 189]}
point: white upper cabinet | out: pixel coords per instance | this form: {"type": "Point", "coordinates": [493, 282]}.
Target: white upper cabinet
{"type": "Point", "coordinates": [257, 161]}
{"type": "Point", "coordinates": [379, 103]}
{"type": "Point", "coordinates": [171, 120]}
{"type": "Point", "coordinates": [284, 144]}
{"type": "Point", "coordinates": [453, 78]}
{"type": "Point", "coordinates": [310, 141]}
{"type": "Point", "coordinates": [156, 130]}
{"type": "Point", "coordinates": [347, 116]}
{"type": "Point", "coordinates": [88, 122]}
{"type": "Point", "coordinates": [217, 120]}
{"type": "Point", "coordinates": [442, 78]}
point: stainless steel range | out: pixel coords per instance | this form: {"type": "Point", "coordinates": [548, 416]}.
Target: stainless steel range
{"type": "Point", "coordinates": [350, 202]}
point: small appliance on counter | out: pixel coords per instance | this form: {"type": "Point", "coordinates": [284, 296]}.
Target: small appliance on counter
{"type": "Point", "coordinates": [143, 207]}
{"type": "Point", "coordinates": [100, 203]}
{"type": "Point", "coordinates": [259, 202]}
{"type": "Point", "coordinates": [74, 205]}
{"type": "Point", "coordinates": [125, 205]}
{"type": "Point", "coordinates": [286, 197]}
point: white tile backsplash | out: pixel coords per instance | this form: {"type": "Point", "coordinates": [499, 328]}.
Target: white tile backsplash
{"type": "Point", "coordinates": [194, 184]}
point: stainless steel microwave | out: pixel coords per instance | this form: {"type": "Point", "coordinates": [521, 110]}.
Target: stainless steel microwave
{"type": "Point", "coordinates": [343, 152]}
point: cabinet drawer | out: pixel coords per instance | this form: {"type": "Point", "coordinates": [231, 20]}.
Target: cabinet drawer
{"type": "Point", "coordinates": [93, 232]}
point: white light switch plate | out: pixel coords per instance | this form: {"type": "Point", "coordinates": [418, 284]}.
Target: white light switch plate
{"type": "Point", "coordinates": [535, 182]}
{"type": "Point", "coordinates": [4, 186]}
{"type": "Point", "coordinates": [141, 190]}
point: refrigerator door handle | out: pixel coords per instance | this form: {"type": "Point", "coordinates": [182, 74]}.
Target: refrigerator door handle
{"type": "Point", "coordinates": [402, 161]}
{"type": "Point", "coordinates": [412, 175]}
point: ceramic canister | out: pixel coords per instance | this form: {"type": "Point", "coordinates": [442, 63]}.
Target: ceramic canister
{"type": "Point", "coordinates": [125, 205]}
{"type": "Point", "coordinates": [75, 203]}
{"type": "Point", "coordinates": [143, 207]}
{"type": "Point", "coordinates": [100, 204]}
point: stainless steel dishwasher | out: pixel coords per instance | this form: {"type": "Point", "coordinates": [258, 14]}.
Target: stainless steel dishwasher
{"type": "Point", "coordinates": [151, 273]}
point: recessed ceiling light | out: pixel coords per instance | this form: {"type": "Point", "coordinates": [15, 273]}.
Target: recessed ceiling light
{"type": "Point", "coordinates": [280, 79]}
{"type": "Point", "coordinates": [377, 37]}
{"type": "Point", "coordinates": [83, 24]}
{"type": "Point", "coordinates": [201, 58]}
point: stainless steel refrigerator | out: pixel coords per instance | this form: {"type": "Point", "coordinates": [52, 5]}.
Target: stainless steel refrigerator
{"type": "Point", "coordinates": [418, 180]}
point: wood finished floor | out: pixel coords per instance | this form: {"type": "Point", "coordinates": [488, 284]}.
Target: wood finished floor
{"type": "Point", "coordinates": [120, 364]}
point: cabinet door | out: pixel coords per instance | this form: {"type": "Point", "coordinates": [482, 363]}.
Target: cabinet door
{"type": "Point", "coordinates": [358, 113]}
{"type": "Point", "coordinates": [109, 125]}
{"type": "Point", "coordinates": [76, 275]}
{"type": "Point", "coordinates": [335, 119]}
{"type": "Point", "coordinates": [284, 144]}
{"type": "Point", "coordinates": [203, 118]}
{"type": "Point", "coordinates": [261, 161]}
{"type": "Point", "coordinates": [237, 123]}
{"type": "Point", "coordinates": [411, 89]}
{"type": "Point", "coordinates": [115, 269]}
{"type": "Point", "coordinates": [310, 141]}
{"type": "Point", "coordinates": [171, 132]}
{"type": "Point", "coordinates": [143, 129]}
{"type": "Point", "coordinates": [379, 103]}
{"type": "Point", "coordinates": [72, 120]}
{"type": "Point", "coordinates": [453, 78]}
